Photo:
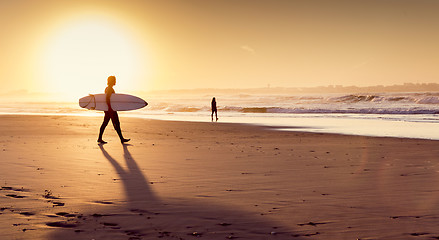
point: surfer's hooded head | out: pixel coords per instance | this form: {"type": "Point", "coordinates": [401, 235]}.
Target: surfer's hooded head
{"type": "Point", "coordinates": [111, 80]}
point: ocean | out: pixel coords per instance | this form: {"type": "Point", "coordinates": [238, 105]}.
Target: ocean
{"type": "Point", "coordinates": [405, 115]}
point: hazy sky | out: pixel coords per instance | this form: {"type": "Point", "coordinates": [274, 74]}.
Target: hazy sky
{"type": "Point", "coordinates": [73, 46]}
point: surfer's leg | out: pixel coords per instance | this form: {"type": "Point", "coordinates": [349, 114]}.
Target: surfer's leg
{"type": "Point", "coordinates": [116, 125]}
{"type": "Point", "coordinates": [103, 126]}
{"type": "Point", "coordinates": [216, 115]}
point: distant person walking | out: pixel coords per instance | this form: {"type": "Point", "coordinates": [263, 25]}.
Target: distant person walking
{"type": "Point", "coordinates": [214, 109]}
{"type": "Point", "coordinates": [111, 114]}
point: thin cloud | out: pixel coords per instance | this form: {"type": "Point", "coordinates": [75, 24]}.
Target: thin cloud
{"type": "Point", "coordinates": [362, 64]}
{"type": "Point", "coordinates": [248, 49]}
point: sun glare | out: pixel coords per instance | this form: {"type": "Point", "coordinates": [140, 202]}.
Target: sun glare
{"type": "Point", "coordinates": [80, 57]}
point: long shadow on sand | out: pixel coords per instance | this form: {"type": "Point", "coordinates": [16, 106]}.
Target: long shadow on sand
{"type": "Point", "coordinates": [136, 187]}
{"type": "Point", "coordinates": [146, 216]}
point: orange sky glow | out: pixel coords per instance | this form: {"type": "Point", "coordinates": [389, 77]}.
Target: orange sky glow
{"type": "Point", "coordinates": [70, 47]}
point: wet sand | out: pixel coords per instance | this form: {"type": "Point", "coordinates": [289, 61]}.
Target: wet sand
{"type": "Point", "coordinates": [184, 180]}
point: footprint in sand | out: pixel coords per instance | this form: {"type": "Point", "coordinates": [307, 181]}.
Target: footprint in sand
{"type": "Point", "coordinates": [62, 224]}
{"type": "Point", "coordinates": [15, 196]}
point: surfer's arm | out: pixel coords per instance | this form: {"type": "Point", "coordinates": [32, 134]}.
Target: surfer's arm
{"type": "Point", "coordinates": [107, 99]}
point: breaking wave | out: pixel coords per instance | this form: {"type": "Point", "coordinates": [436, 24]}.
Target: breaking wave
{"type": "Point", "coordinates": [426, 98]}
{"type": "Point", "coordinates": [386, 103]}
{"type": "Point", "coordinates": [339, 111]}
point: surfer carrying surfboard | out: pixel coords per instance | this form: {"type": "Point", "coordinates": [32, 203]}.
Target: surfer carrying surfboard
{"type": "Point", "coordinates": [111, 114]}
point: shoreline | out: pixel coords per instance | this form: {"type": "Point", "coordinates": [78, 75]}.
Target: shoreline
{"type": "Point", "coordinates": [278, 126]}
{"type": "Point", "coordinates": [213, 181]}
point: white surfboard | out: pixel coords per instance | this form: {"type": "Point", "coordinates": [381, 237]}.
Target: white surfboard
{"type": "Point", "coordinates": [119, 102]}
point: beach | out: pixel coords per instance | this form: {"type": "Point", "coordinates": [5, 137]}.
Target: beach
{"type": "Point", "coordinates": [190, 180]}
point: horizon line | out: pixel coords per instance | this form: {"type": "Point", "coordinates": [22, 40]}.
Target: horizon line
{"type": "Point", "coordinates": [327, 87]}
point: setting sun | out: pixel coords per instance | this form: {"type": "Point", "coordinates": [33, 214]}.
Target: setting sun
{"type": "Point", "coordinates": [81, 55]}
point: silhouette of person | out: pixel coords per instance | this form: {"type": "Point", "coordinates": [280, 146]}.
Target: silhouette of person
{"type": "Point", "coordinates": [214, 109]}
{"type": "Point", "coordinates": [111, 114]}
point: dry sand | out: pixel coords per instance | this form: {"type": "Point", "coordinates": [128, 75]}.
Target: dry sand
{"type": "Point", "coordinates": [183, 180]}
